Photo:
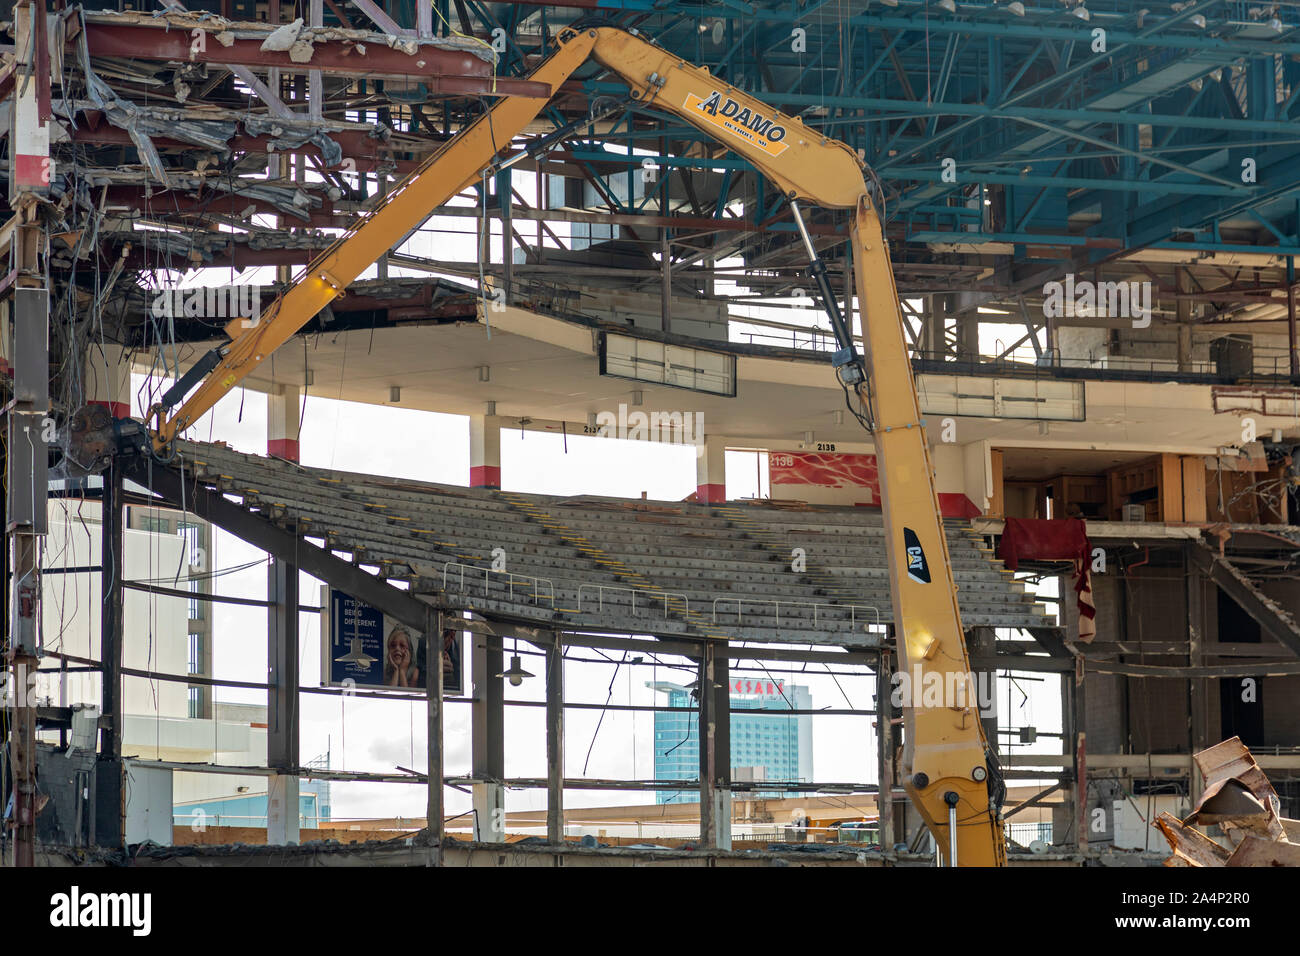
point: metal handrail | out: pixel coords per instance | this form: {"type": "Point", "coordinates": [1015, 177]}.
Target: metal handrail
{"type": "Point", "coordinates": [602, 588]}
{"type": "Point", "coordinates": [510, 580]}
{"type": "Point", "coordinates": [853, 608]}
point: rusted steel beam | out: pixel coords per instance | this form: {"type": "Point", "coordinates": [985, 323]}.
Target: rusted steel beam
{"type": "Point", "coordinates": [1191, 847]}
{"type": "Point", "coordinates": [175, 202]}
{"type": "Point", "coordinates": [445, 71]}
{"type": "Point", "coordinates": [364, 150]}
{"type": "Point", "coordinates": [237, 256]}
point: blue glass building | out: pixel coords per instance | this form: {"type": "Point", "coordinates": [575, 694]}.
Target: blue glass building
{"type": "Point", "coordinates": [765, 743]}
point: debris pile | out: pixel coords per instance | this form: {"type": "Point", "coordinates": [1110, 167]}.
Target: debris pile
{"type": "Point", "coordinates": [1240, 801]}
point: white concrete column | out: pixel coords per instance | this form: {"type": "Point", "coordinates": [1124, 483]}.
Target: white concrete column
{"type": "Point", "coordinates": [108, 378]}
{"type": "Point", "coordinates": [489, 812]}
{"type": "Point", "coordinates": [711, 472]}
{"type": "Point", "coordinates": [963, 478]}
{"type": "Point", "coordinates": [283, 416]}
{"type": "Point", "coordinates": [484, 451]}
{"type": "Point", "coordinates": [282, 810]}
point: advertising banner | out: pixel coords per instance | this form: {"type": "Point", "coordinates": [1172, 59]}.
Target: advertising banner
{"type": "Point", "coordinates": [364, 648]}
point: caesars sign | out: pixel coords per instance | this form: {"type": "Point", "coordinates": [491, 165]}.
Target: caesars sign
{"type": "Point", "coordinates": [758, 688]}
{"type": "Point", "coordinates": [361, 647]}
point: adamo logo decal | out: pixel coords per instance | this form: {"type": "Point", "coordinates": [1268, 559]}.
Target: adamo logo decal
{"type": "Point", "coordinates": [750, 125]}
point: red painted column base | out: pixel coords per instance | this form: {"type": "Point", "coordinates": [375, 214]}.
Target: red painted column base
{"type": "Point", "coordinates": [711, 494]}
{"type": "Point", "coordinates": [286, 448]}
{"type": "Point", "coordinates": [953, 504]}
{"type": "Point", "coordinates": [485, 476]}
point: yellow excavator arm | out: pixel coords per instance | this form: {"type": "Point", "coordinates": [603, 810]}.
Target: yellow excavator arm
{"type": "Point", "coordinates": [948, 769]}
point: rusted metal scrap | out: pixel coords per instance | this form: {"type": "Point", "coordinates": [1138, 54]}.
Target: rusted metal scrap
{"type": "Point", "coordinates": [1239, 799]}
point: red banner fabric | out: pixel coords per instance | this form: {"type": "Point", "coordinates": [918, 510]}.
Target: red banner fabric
{"type": "Point", "coordinates": [1025, 539]}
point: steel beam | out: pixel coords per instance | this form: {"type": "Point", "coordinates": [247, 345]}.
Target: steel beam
{"type": "Point", "coordinates": [555, 740]}
{"type": "Point", "coordinates": [1280, 627]}
{"type": "Point", "coordinates": [488, 734]}
{"type": "Point", "coordinates": [282, 665]}
{"type": "Point", "coordinates": [443, 71]}
{"type": "Point", "coordinates": [434, 813]}
{"type": "Point", "coordinates": [381, 19]}
{"type": "Point", "coordinates": [715, 747]}
{"type": "Point", "coordinates": [360, 146]}
{"type": "Point", "coordinates": [182, 489]}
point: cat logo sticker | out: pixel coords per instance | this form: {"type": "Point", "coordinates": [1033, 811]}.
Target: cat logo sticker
{"type": "Point", "coordinates": [917, 568]}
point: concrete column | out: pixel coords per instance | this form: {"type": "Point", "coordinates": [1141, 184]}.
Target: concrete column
{"type": "Point", "coordinates": [485, 454]}
{"type": "Point", "coordinates": [968, 326]}
{"type": "Point", "coordinates": [555, 740]}
{"type": "Point", "coordinates": [963, 474]}
{"type": "Point", "coordinates": [434, 807]}
{"type": "Point", "coordinates": [283, 415]}
{"type": "Point", "coordinates": [715, 746]}
{"type": "Point", "coordinates": [108, 378]}
{"type": "Point", "coordinates": [282, 665]}
{"type": "Point", "coordinates": [711, 472]}
{"type": "Point", "coordinates": [487, 730]}
{"type": "Point", "coordinates": [282, 703]}
{"type": "Point", "coordinates": [282, 810]}
{"type": "Point", "coordinates": [932, 343]}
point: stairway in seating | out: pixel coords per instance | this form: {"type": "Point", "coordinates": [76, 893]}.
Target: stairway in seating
{"type": "Point", "coordinates": [532, 511]}
{"type": "Point", "coordinates": [778, 543]}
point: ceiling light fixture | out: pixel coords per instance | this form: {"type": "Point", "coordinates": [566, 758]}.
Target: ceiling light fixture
{"type": "Point", "coordinates": [515, 673]}
{"type": "Point", "coordinates": [356, 655]}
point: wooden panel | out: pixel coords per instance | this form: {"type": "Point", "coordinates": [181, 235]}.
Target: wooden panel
{"type": "Point", "coordinates": [1193, 488]}
{"type": "Point", "coordinates": [1082, 496]}
{"type": "Point", "coordinates": [1171, 488]}
{"type": "Point", "coordinates": [1020, 499]}
{"type": "Point", "coordinates": [996, 498]}
{"type": "Point", "coordinates": [1156, 483]}
{"type": "Point", "coordinates": [1232, 485]}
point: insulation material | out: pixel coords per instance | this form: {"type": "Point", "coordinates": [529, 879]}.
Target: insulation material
{"type": "Point", "coordinates": [284, 37]}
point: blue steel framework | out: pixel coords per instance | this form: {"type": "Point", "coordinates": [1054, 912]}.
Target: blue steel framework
{"type": "Point", "coordinates": [1039, 138]}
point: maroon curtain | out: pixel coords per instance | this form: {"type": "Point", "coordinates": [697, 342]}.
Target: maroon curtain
{"type": "Point", "coordinates": [1064, 539]}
